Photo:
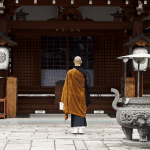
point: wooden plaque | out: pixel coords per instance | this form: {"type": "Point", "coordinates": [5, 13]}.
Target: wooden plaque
{"type": "Point", "coordinates": [130, 87]}
{"type": "Point", "coordinates": [11, 95]}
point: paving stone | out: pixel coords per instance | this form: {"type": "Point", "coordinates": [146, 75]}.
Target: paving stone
{"type": "Point", "coordinates": [65, 147]}
{"type": "Point", "coordinates": [17, 147]}
{"type": "Point", "coordinates": [22, 132]}
{"type": "Point", "coordinates": [39, 136]}
{"type": "Point", "coordinates": [51, 132]}
{"type": "Point", "coordinates": [45, 144]}
{"type": "Point", "coordinates": [63, 142]}
{"type": "Point", "coordinates": [113, 139]}
{"type": "Point", "coordinates": [95, 144]}
{"type": "Point", "coordinates": [112, 142]}
{"type": "Point", "coordinates": [18, 135]}
{"type": "Point", "coordinates": [136, 148]}
{"type": "Point", "coordinates": [97, 136]}
{"type": "Point", "coordinates": [118, 148]}
{"type": "Point", "coordinates": [3, 138]}
{"type": "Point", "coordinates": [42, 140]}
{"type": "Point", "coordinates": [79, 144]}
{"type": "Point", "coordinates": [67, 136]}
{"type": "Point", "coordinates": [98, 149]}
{"type": "Point", "coordinates": [42, 148]}
{"type": "Point", "coordinates": [2, 145]}
{"type": "Point", "coordinates": [19, 141]}
{"type": "Point", "coordinates": [119, 136]}
{"type": "Point", "coordinates": [18, 138]}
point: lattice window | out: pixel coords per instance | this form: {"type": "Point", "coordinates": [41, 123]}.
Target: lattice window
{"type": "Point", "coordinates": [26, 61]}
{"type": "Point", "coordinates": [107, 65]}
{"type": "Point", "coordinates": [81, 46]}
{"type": "Point", "coordinates": [53, 52]}
{"type": "Point", "coordinates": [54, 57]}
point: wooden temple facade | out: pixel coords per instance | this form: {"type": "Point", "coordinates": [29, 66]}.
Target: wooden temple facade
{"type": "Point", "coordinates": [46, 50]}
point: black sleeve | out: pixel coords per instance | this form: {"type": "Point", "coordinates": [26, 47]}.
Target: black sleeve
{"type": "Point", "coordinates": [87, 76]}
{"type": "Point", "coordinates": [87, 85]}
{"type": "Point", "coordinates": [88, 79]}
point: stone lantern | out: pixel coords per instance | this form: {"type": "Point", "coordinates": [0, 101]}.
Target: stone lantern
{"type": "Point", "coordinates": [135, 113]}
{"type": "Point", "coordinates": [119, 16]}
{"type": "Point", "coordinates": [21, 15]}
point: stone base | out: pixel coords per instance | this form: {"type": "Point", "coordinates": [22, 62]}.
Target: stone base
{"type": "Point", "coordinates": [135, 143]}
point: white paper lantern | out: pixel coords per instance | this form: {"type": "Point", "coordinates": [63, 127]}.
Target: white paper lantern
{"type": "Point", "coordinates": [4, 58]}
{"type": "Point", "coordinates": [144, 64]}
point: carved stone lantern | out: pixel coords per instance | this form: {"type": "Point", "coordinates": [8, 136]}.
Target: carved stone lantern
{"type": "Point", "coordinates": [119, 16]}
{"type": "Point", "coordinates": [135, 112]}
{"type": "Point", "coordinates": [21, 15]}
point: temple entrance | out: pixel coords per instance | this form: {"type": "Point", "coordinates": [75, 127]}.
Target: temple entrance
{"type": "Point", "coordinates": [57, 54]}
{"type": "Point", "coordinates": [44, 60]}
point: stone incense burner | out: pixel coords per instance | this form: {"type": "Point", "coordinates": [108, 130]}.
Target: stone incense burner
{"type": "Point", "coordinates": [135, 113]}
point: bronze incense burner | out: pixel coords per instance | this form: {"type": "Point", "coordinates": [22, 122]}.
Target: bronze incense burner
{"type": "Point", "coordinates": [135, 113]}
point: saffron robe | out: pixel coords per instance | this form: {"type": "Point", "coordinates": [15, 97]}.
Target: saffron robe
{"type": "Point", "coordinates": [87, 83]}
{"type": "Point", "coordinates": [73, 94]}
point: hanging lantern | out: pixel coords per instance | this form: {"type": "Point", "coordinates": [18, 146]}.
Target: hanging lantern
{"type": "Point", "coordinates": [143, 61]}
{"type": "Point", "coordinates": [35, 1]}
{"type": "Point", "coordinates": [145, 2]}
{"type": "Point", "coordinates": [90, 1]}
{"type": "Point", "coordinates": [4, 58]}
{"type": "Point", "coordinates": [108, 1]}
{"type": "Point", "coordinates": [16, 1]}
{"type": "Point", "coordinates": [53, 1]}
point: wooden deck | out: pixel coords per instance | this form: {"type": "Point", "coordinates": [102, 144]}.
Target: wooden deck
{"type": "Point", "coordinates": [28, 105]}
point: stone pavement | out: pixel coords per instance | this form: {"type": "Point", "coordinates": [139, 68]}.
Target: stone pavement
{"type": "Point", "coordinates": [51, 132]}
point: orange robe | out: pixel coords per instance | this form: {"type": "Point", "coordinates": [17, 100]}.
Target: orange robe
{"type": "Point", "coordinates": [73, 94]}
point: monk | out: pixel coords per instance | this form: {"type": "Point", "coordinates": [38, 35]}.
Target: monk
{"type": "Point", "coordinates": [76, 96]}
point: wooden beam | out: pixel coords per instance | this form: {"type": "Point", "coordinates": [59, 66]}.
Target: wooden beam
{"type": "Point", "coordinates": [85, 25]}
{"type": "Point", "coordinates": [64, 3]}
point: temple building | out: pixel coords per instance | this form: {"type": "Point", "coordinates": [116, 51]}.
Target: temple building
{"type": "Point", "coordinates": [50, 34]}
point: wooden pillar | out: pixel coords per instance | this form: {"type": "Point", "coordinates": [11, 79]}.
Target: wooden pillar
{"type": "Point", "coordinates": [3, 27]}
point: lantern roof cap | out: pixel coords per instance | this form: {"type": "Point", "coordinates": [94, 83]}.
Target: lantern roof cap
{"type": "Point", "coordinates": [6, 40]}
{"type": "Point", "coordinates": [139, 55]}
{"type": "Point", "coordinates": [137, 39]}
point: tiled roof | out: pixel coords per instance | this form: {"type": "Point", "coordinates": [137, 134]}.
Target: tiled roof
{"type": "Point", "coordinates": [7, 39]}
{"type": "Point", "coordinates": [137, 38]}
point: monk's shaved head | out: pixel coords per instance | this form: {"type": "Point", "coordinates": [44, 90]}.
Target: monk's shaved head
{"type": "Point", "coordinates": [77, 60]}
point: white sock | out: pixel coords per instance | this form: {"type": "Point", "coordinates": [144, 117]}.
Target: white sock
{"type": "Point", "coordinates": [75, 129]}
{"type": "Point", "coordinates": [80, 128]}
